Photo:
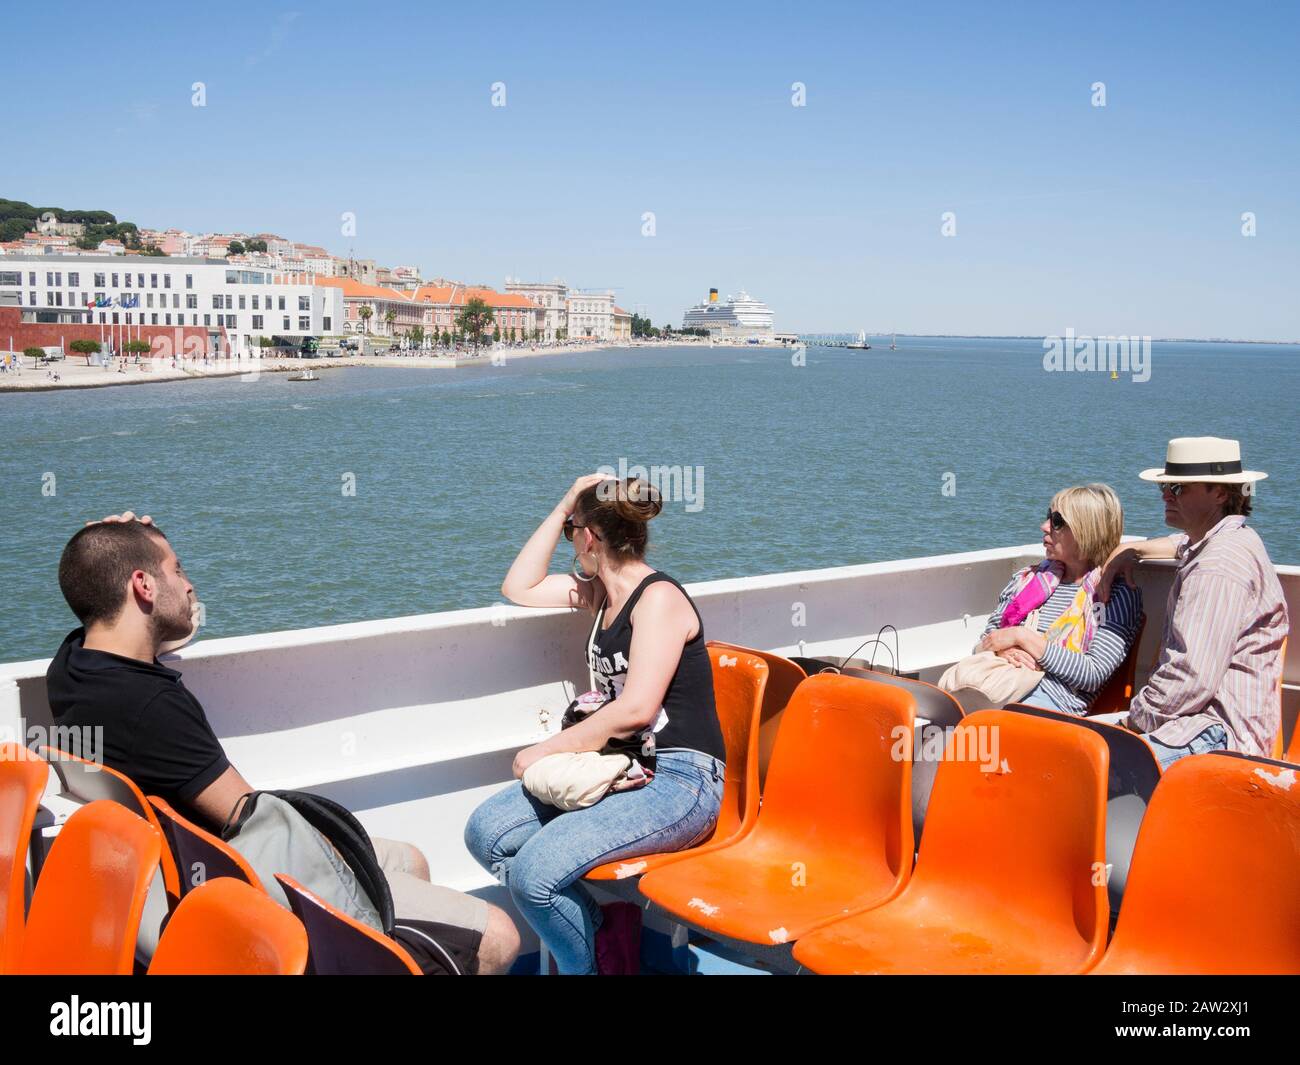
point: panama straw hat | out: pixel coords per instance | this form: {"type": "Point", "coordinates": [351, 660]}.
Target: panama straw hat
{"type": "Point", "coordinates": [1203, 458]}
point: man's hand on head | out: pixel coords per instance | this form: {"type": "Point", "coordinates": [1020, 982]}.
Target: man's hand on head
{"type": "Point", "coordinates": [125, 516]}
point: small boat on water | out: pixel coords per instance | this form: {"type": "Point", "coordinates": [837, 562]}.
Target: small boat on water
{"type": "Point", "coordinates": [861, 343]}
{"type": "Point", "coordinates": [893, 342]}
{"type": "Point", "coordinates": [304, 375]}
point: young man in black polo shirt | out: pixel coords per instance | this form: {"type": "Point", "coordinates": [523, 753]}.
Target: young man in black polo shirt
{"type": "Point", "coordinates": [127, 587]}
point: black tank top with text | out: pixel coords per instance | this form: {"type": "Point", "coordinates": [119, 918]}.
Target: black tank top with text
{"type": "Point", "coordinates": [689, 716]}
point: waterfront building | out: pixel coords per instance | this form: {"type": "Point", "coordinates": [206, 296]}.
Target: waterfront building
{"type": "Point", "coordinates": [622, 325]}
{"type": "Point", "coordinates": [591, 315]}
{"type": "Point", "coordinates": [510, 309]}
{"type": "Point", "coordinates": [234, 306]}
{"type": "Point", "coordinates": [739, 317]}
{"type": "Point", "coordinates": [406, 310]}
{"type": "Point", "coordinates": [552, 296]}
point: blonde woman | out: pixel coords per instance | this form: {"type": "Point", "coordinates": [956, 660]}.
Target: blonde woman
{"type": "Point", "coordinates": [1078, 641]}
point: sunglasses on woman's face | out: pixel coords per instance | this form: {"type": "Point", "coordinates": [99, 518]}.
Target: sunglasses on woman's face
{"type": "Point", "coordinates": [1056, 520]}
{"type": "Point", "coordinates": [570, 525]}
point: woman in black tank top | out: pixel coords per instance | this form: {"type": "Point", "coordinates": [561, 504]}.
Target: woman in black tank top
{"type": "Point", "coordinates": [647, 654]}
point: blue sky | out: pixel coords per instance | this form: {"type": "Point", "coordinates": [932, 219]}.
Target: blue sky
{"type": "Point", "coordinates": [1122, 219]}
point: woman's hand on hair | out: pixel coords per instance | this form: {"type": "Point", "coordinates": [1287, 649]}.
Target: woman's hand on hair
{"type": "Point", "coordinates": [570, 500]}
{"type": "Point", "coordinates": [128, 515]}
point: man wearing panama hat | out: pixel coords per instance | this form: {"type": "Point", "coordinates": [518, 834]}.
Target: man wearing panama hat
{"type": "Point", "coordinates": [1215, 686]}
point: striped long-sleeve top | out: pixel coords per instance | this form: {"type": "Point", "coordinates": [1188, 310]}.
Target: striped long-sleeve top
{"type": "Point", "coordinates": [1220, 658]}
{"type": "Point", "coordinates": [1072, 678]}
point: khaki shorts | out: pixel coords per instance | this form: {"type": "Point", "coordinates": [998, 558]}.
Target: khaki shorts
{"type": "Point", "coordinates": [415, 898]}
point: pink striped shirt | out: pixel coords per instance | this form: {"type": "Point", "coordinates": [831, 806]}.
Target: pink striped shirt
{"type": "Point", "coordinates": [1221, 658]}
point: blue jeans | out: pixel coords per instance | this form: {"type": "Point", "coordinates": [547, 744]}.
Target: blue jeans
{"type": "Point", "coordinates": [1213, 738]}
{"type": "Point", "coordinates": [541, 853]}
{"type": "Point", "coordinates": [1042, 697]}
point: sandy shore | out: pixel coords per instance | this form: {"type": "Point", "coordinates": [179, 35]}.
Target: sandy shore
{"type": "Point", "coordinates": [74, 373]}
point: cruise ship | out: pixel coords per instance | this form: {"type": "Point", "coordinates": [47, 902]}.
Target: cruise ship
{"type": "Point", "coordinates": [436, 706]}
{"type": "Point", "coordinates": [740, 318]}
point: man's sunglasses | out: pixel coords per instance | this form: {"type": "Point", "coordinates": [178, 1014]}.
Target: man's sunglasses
{"type": "Point", "coordinates": [570, 525]}
{"type": "Point", "coordinates": [1174, 488]}
{"type": "Point", "coordinates": [1057, 520]}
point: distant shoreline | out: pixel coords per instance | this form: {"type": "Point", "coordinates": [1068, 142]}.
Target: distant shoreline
{"type": "Point", "coordinates": [79, 376]}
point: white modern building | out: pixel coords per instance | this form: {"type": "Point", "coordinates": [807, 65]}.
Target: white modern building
{"type": "Point", "coordinates": [551, 295]}
{"type": "Point", "coordinates": [160, 291]}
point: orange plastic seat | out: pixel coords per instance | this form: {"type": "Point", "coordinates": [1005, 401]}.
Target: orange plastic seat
{"type": "Point", "coordinates": [338, 945]}
{"type": "Point", "coordinates": [783, 676]}
{"type": "Point", "coordinates": [834, 833]}
{"type": "Point", "coordinates": [739, 679]}
{"type": "Point", "coordinates": [1010, 876]}
{"type": "Point", "coordinates": [1116, 694]}
{"type": "Point", "coordinates": [23, 775]}
{"type": "Point", "coordinates": [90, 897]}
{"type": "Point", "coordinates": [200, 855]}
{"type": "Point", "coordinates": [93, 781]}
{"type": "Point", "coordinates": [1215, 883]}
{"type": "Point", "coordinates": [1132, 779]}
{"type": "Point", "coordinates": [941, 712]}
{"type": "Point", "coordinates": [226, 927]}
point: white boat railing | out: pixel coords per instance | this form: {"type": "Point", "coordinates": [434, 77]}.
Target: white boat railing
{"type": "Point", "coordinates": [413, 721]}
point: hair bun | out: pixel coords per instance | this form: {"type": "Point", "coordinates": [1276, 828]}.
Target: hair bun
{"type": "Point", "coordinates": [637, 500]}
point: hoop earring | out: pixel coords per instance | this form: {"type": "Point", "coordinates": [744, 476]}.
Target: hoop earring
{"type": "Point", "coordinates": [577, 572]}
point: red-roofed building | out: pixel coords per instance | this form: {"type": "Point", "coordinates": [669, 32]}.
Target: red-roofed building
{"type": "Point", "coordinates": [510, 311]}
{"type": "Point", "coordinates": [406, 310]}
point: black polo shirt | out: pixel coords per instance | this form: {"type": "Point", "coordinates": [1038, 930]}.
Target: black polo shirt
{"type": "Point", "coordinates": [155, 731]}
